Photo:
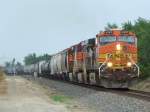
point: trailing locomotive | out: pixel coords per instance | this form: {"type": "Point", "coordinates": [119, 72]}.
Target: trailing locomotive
{"type": "Point", "coordinates": [108, 60]}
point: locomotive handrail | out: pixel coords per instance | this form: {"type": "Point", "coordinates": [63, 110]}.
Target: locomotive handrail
{"type": "Point", "coordinates": [102, 65]}
{"type": "Point", "coordinates": [136, 66]}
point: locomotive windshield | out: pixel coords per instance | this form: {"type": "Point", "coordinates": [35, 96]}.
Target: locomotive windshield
{"type": "Point", "coordinates": [107, 39]}
{"type": "Point", "coordinates": [129, 39]}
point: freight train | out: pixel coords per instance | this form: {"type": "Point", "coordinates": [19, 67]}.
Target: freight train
{"type": "Point", "coordinates": [108, 60]}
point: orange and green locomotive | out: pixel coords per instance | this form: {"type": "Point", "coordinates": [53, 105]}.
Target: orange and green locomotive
{"type": "Point", "coordinates": [117, 58]}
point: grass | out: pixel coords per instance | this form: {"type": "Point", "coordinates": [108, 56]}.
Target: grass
{"type": "Point", "coordinates": [60, 98]}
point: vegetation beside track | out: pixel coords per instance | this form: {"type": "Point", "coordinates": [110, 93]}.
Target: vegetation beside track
{"type": "Point", "coordinates": [60, 98]}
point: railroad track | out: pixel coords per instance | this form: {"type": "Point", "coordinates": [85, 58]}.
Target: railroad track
{"type": "Point", "coordinates": [138, 94]}
{"type": "Point", "coordinates": [124, 92]}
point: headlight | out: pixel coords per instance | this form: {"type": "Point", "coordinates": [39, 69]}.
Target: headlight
{"type": "Point", "coordinates": [118, 47]}
{"type": "Point", "coordinates": [109, 64]}
{"type": "Point", "coordinates": [129, 64]}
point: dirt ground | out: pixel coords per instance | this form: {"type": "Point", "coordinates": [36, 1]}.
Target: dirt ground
{"type": "Point", "coordinates": [20, 95]}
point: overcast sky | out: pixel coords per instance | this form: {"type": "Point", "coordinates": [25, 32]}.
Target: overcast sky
{"type": "Point", "coordinates": [48, 26]}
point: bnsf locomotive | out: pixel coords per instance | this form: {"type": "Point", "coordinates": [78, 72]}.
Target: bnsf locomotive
{"type": "Point", "coordinates": [108, 60]}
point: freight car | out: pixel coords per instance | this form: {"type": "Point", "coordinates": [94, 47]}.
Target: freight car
{"type": "Point", "coordinates": [108, 60]}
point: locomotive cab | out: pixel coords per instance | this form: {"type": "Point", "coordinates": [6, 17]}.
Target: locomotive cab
{"type": "Point", "coordinates": [117, 56]}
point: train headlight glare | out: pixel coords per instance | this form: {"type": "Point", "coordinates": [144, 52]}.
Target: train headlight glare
{"type": "Point", "coordinates": [118, 47]}
{"type": "Point", "coordinates": [109, 64]}
{"type": "Point", "coordinates": [129, 64]}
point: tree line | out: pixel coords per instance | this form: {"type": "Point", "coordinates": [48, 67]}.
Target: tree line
{"type": "Point", "coordinates": [28, 60]}
{"type": "Point", "coordinates": [33, 58]}
{"type": "Point", "coordinates": [142, 29]}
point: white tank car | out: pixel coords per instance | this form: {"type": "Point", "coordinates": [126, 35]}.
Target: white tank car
{"type": "Point", "coordinates": [64, 62]}
{"type": "Point", "coordinates": [53, 65]}
{"type": "Point", "coordinates": [25, 69]}
{"type": "Point", "coordinates": [57, 63]}
{"type": "Point", "coordinates": [31, 69]}
{"type": "Point", "coordinates": [45, 68]}
{"type": "Point", "coordinates": [36, 68]}
{"type": "Point", "coordinates": [41, 63]}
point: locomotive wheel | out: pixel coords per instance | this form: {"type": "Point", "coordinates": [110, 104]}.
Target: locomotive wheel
{"type": "Point", "coordinates": [75, 77]}
{"type": "Point", "coordinates": [65, 76]}
{"type": "Point", "coordinates": [60, 76]}
{"type": "Point", "coordinates": [97, 79]}
{"type": "Point", "coordinates": [92, 78]}
{"type": "Point", "coordinates": [87, 78]}
{"type": "Point", "coordinates": [70, 77]}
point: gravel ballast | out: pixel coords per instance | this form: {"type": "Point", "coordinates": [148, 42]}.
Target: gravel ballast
{"type": "Point", "coordinates": [95, 101]}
